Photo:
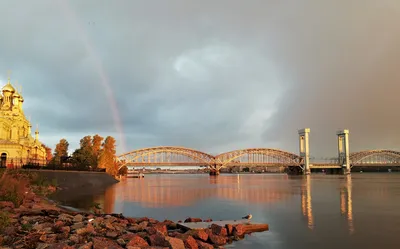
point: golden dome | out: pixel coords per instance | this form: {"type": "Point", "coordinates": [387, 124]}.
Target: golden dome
{"type": "Point", "coordinates": [16, 95]}
{"type": "Point", "coordinates": [8, 88]}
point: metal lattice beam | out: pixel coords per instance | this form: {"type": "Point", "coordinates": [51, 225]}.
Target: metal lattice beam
{"type": "Point", "coordinates": [258, 156]}
{"type": "Point", "coordinates": [181, 156]}
{"type": "Point", "coordinates": [166, 155]}
{"type": "Point", "coordinates": [375, 157]}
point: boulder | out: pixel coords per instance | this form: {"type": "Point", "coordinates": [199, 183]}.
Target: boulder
{"type": "Point", "coordinates": [203, 245]}
{"type": "Point", "coordinates": [217, 239]}
{"type": "Point", "coordinates": [198, 234]}
{"type": "Point", "coordinates": [193, 220]}
{"type": "Point", "coordinates": [137, 241]}
{"type": "Point", "coordinates": [174, 243]}
{"type": "Point", "coordinates": [229, 229]}
{"type": "Point", "coordinates": [188, 241]}
{"type": "Point", "coordinates": [238, 230]}
{"type": "Point", "coordinates": [219, 230]}
{"type": "Point", "coordinates": [102, 243]}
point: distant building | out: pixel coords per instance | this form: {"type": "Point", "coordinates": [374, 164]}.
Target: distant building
{"type": "Point", "coordinates": [17, 146]}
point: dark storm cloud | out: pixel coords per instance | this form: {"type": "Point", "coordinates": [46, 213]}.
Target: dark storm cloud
{"type": "Point", "coordinates": [210, 75]}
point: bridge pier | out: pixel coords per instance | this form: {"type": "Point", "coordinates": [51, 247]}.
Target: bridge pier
{"type": "Point", "coordinates": [214, 172]}
{"type": "Point", "coordinates": [304, 148]}
{"type": "Point", "coordinates": [294, 170]}
{"type": "Point", "coordinates": [343, 151]}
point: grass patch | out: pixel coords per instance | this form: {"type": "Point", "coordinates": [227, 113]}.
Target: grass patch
{"type": "Point", "coordinates": [4, 220]}
{"type": "Point", "coordinates": [27, 227]}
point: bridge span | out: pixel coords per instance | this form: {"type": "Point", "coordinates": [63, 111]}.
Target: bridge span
{"type": "Point", "coordinates": [181, 156]}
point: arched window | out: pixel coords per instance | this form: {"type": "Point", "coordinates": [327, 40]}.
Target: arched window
{"type": "Point", "coordinates": [3, 161]}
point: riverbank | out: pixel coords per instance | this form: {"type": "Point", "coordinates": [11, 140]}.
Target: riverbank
{"type": "Point", "coordinates": [29, 220]}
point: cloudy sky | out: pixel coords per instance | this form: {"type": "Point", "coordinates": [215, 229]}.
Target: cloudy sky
{"type": "Point", "coordinates": [210, 75]}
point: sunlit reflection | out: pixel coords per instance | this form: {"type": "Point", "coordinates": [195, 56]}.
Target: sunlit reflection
{"type": "Point", "coordinates": [306, 202]}
{"type": "Point", "coordinates": [349, 204]}
{"type": "Point", "coordinates": [161, 191]}
{"type": "Point", "coordinates": [343, 208]}
{"type": "Point", "coordinates": [346, 202]}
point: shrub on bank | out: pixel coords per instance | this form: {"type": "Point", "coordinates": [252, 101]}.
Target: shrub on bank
{"type": "Point", "coordinates": [4, 220]}
{"type": "Point", "coordinates": [12, 189]}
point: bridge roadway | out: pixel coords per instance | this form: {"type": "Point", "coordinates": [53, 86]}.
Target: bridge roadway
{"type": "Point", "coordinates": [181, 156]}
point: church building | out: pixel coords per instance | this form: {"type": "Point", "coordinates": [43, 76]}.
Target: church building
{"type": "Point", "coordinates": [17, 146]}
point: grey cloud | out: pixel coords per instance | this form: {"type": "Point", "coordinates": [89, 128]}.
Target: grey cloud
{"type": "Point", "coordinates": [214, 76]}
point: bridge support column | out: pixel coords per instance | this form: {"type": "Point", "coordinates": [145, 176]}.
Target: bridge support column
{"type": "Point", "coordinates": [214, 169]}
{"type": "Point", "coordinates": [344, 151]}
{"type": "Point", "coordinates": [305, 149]}
{"type": "Point", "coordinates": [214, 172]}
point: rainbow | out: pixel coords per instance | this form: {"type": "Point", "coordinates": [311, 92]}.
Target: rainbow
{"type": "Point", "coordinates": [71, 15]}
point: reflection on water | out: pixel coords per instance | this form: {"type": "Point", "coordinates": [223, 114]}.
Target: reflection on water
{"type": "Point", "coordinates": [346, 202]}
{"type": "Point", "coordinates": [314, 211]}
{"type": "Point", "coordinates": [306, 204]}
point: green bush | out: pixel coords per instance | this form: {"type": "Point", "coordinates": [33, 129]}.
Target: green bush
{"type": "Point", "coordinates": [4, 220]}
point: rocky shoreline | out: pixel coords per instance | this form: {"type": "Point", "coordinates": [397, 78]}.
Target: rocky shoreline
{"type": "Point", "coordinates": [36, 223]}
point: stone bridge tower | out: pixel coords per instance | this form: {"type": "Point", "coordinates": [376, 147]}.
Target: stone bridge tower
{"type": "Point", "coordinates": [344, 151]}
{"type": "Point", "coordinates": [304, 149]}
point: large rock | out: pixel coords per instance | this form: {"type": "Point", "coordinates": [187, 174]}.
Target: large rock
{"type": "Point", "coordinates": [229, 229]}
{"type": "Point", "coordinates": [158, 239]}
{"type": "Point", "coordinates": [188, 240]}
{"type": "Point", "coordinates": [193, 220]}
{"type": "Point", "coordinates": [217, 239]}
{"type": "Point", "coordinates": [158, 228]}
{"type": "Point", "coordinates": [198, 234]}
{"type": "Point", "coordinates": [137, 241]}
{"type": "Point", "coordinates": [78, 218]}
{"type": "Point", "coordinates": [174, 243]}
{"type": "Point", "coordinates": [86, 246]}
{"type": "Point", "coordinates": [57, 226]}
{"type": "Point", "coordinates": [112, 234]}
{"type": "Point", "coordinates": [60, 246]}
{"type": "Point", "coordinates": [219, 230]}
{"type": "Point", "coordinates": [238, 230]}
{"type": "Point", "coordinates": [127, 236]}
{"type": "Point", "coordinates": [203, 245]}
{"type": "Point", "coordinates": [103, 243]}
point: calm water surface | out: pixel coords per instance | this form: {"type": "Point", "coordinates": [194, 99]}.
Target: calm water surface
{"type": "Point", "coordinates": [318, 211]}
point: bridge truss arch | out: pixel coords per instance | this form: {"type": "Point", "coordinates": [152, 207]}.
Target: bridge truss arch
{"type": "Point", "coordinates": [375, 157]}
{"type": "Point", "coordinates": [166, 156]}
{"type": "Point", "coordinates": [257, 156]}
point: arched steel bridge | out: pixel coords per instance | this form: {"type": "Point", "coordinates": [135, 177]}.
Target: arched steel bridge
{"type": "Point", "coordinates": [375, 158]}
{"type": "Point", "coordinates": [181, 156]}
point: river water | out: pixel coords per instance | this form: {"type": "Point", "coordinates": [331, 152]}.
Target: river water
{"type": "Point", "coordinates": [317, 211]}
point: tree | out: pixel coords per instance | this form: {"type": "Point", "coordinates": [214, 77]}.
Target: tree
{"type": "Point", "coordinates": [49, 155]}
{"type": "Point", "coordinates": [83, 156]}
{"type": "Point", "coordinates": [96, 148]}
{"type": "Point", "coordinates": [107, 158]}
{"type": "Point", "coordinates": [123, 171]}
{"type": "Point", "coordinates": [61, 151]}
